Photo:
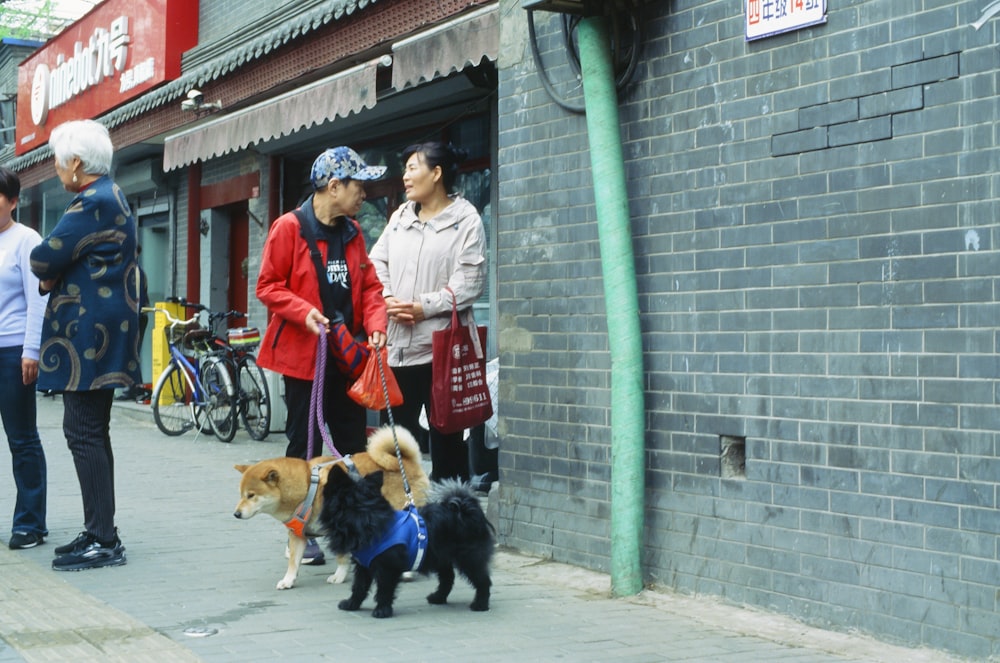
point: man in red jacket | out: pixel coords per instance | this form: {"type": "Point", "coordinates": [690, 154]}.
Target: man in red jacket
{"type": "Point", "coordinates": [288, 285]}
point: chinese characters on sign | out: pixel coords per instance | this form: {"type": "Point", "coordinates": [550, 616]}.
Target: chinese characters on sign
{"type": "Point", "coordinates": [770, 17]}
{"type": "Point", "coordinates": [102, 56]}
{"type": "Point", "coordinates": [110, 56]}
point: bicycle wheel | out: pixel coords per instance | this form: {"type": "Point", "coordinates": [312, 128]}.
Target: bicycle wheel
{"type": "Point", "coordinates": [219, 399]}
{"type": "Point", "coordinates": [173, 406]}
{"type": "Point", "coordinates": [255, 400]}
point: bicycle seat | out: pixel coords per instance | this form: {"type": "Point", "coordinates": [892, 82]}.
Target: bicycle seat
{"type": "Point", "coordinates": [197, 339]}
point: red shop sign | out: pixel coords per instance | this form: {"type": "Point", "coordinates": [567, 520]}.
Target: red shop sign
{"type": "Point", "coordinates": [119, 50]}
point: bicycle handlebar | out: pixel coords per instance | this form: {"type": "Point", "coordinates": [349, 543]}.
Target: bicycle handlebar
{"type": "Point", "coordinates": [171, 319]}
{"type": "Point", "coordinates": [220, 315]}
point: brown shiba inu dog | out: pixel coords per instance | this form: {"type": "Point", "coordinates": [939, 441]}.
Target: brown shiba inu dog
{"type": "Point", "coordinates": [281, 487]}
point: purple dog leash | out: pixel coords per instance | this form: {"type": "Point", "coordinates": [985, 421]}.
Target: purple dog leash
{"type": "Point", "coordinates": [316, 399]}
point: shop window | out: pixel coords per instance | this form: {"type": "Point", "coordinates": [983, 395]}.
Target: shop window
{"type": "Point", "coordinates": [6, 122]}
{"type": "Point", "coordinates": [373, 216]}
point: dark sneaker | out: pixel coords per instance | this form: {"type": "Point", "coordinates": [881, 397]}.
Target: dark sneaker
{"type": "Point", "coordinates": [91, 555]}
{"type": "Point", "coordinates": [22, 540]}
{"type": "Point", "coordinates": [314, 554]}
{"type": "Point", "coordinates": [71, 546]}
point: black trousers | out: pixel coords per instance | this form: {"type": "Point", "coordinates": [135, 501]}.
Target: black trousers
{"type": "Point", "coordinates": [345, 419]}
{"type": "Point", "coordinates": [449, 455]}
{"type": "Point", "coordinates": [87, 427]}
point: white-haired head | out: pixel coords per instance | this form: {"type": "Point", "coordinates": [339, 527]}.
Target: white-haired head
{"type": "Point", "coordinates": [85, 139]}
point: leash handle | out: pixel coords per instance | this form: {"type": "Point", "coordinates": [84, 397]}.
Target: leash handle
{"type": "Point", "coordinates": [316, 415]}
{"type": "Point", "coordinates": [392, 424]}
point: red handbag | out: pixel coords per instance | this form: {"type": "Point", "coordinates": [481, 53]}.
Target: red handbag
{"type": "Point", "coordinates": [460, 397]}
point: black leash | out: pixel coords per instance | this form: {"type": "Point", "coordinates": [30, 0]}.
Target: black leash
{"type": "Point", "coordinates": [392, 425]}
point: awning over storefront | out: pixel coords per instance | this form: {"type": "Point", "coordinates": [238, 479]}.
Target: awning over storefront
{"type": "Point", "coordinates": [447, 48]}
{"type": "Point", "coordinates": [432, 54]}
{"type": "Point", "coordinates": [346, 92]}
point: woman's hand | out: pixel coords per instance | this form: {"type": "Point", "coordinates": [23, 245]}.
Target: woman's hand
{"type": "Point", "coordinates": [314, 319]}
{"type": "Point", "coordinates": [404, 313]}
{"type": "Point", "coordinates": [29, 371]}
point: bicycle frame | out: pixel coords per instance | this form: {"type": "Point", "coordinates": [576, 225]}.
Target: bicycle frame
{"type": "Point", "coordinates": [192, 392]}
{"type": "Point", "coordinates": [190, 374]}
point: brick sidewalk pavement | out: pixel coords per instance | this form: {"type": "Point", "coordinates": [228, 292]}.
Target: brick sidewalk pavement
{"type": "Point", "coordinates": [199, 586]}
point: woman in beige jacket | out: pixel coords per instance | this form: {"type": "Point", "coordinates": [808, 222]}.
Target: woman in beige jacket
{"type": "Point", "coordinates": [435, 240]}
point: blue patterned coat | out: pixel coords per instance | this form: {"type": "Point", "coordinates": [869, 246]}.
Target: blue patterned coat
{"type": "Point", "coordinates": [90, 338]}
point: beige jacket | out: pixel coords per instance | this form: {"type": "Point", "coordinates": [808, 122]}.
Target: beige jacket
{"type": "Point", "coordinates": [415, 261]}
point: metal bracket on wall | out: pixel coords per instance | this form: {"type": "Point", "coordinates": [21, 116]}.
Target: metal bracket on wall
{"type": "Point", "coordinates": [991, 10]}
{"type": "Point", "coordinates": [260, 224]}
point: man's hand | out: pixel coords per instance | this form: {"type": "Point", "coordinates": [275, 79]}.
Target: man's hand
{"type": "Point", "coordinates": [314, 319]}
{"type": "Point", "coordinates": [377, 340]}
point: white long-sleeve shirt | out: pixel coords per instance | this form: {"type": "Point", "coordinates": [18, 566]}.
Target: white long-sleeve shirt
{"type": "Point", "coordinates": [415, 261]}
{"type": "Point", "coordinates": [22, 308]}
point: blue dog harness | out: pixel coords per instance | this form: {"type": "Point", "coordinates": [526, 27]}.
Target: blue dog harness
{"type": "Point", "coordinates": [407, 529]}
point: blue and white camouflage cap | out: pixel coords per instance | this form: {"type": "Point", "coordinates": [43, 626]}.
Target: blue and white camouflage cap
{"type": "Point", "coordinates": [342, 163]}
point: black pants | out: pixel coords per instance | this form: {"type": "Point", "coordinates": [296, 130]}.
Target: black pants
{"type": "Point", "coordinates": [346, 419]}
{"type": "Point", "coordinates": [449, 456]}
{"type": "Point", "coordinates": [87, 427]}
{"type": "Point", "coordinates": [483, 462]}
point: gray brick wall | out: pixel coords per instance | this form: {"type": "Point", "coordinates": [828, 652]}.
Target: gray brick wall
{"type": "Point", "coordinates": [814, 218]}
{"type": "Point", "coordinates": [218, 19]}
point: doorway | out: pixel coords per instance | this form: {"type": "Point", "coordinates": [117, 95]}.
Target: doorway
{"type": "Point", "coordinates": [239, 253]}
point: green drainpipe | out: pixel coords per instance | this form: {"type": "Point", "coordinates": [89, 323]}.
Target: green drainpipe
{"type": "Point", "coordinates": [622, 304]}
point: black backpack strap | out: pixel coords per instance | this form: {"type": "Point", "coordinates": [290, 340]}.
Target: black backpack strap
{"type": "Point", "coordinates": [306, 231]}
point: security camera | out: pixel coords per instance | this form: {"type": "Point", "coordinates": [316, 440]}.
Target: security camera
{"type": "Point", "coordinates": [196, 103]}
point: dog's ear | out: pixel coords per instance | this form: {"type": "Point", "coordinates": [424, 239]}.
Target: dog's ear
{"type": "Point", "coordinates": [242, 468]}
{"type": "Point", "coordinates": [272, 477]}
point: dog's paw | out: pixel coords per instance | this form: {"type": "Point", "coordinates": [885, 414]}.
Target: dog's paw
{"type": "Point", "coordinates": [348, 604]}
{"type": "Point", "coordinates": [437, 598]}
{"type": "Point", "coordinates": [286, 583]}
{"type": "Point", "coordinates": [338, 576]}
{"type": "Point", "coordinates": [479, 606]}
{"type": "Point", "coordinates": [382, 612]}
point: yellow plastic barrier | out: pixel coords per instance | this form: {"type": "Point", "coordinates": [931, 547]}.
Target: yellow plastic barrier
{"type": "Point", "coordinates": [161, 352]}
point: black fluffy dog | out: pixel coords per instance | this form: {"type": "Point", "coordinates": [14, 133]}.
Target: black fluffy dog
{"type": "Point", "coordinates": [356, 518]}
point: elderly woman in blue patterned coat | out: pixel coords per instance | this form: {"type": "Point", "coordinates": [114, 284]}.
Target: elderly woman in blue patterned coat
{"type": "Point", "coordinates": [90, 337]}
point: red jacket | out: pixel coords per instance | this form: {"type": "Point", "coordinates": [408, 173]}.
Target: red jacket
{"type": "Point", "coordinates": [289, 287]}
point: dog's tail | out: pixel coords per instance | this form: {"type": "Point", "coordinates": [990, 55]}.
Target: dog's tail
{"type": "Point", "coordinates": [459, 498]}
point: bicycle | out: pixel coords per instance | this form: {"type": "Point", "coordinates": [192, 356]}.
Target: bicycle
{"type": "Point", "coordinates": [251, 397]}
{"type": "Point", "coordinates": [190, 394]}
